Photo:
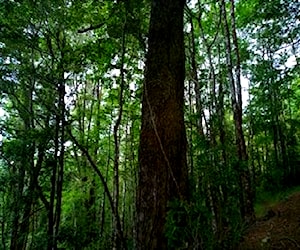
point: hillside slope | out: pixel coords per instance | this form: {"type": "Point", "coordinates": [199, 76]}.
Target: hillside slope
{"type": "Point", "coordinates": [278, 229]}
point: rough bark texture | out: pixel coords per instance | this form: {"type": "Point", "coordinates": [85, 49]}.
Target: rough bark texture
{"type": "Point", "coordinates": [162, 155]}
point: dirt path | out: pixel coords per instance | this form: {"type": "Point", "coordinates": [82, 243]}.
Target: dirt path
{"type": "Point", "coordinates": [279, 229]}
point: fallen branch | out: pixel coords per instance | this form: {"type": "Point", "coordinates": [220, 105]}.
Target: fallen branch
{"type": "Point", "coordinates": [292, 240]}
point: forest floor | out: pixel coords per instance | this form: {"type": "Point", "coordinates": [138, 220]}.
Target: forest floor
{"type": "Point", "coordinates": [279, 228]}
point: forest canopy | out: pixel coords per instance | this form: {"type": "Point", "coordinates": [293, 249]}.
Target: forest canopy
{"type": "Point", "coordinates": [144, 124]}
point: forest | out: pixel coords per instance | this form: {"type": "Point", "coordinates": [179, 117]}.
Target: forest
{"type": "Point", "coordinates": [145, 124]}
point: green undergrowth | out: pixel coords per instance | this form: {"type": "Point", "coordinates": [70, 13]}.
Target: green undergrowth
{"type": "Point", "coordinates": [266, 200]}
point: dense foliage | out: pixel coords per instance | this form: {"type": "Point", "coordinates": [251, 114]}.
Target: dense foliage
{"type": "Point", "coordinates": [71, 92]}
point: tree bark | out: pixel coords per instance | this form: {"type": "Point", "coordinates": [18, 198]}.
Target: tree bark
{"type": "Point", "coordinates": [54, 212]}
{"type": "Point", "coordinates": [116, 194]}
{"type": "Point", "coordinates": [246, 194]}
{"type": "Point", "coordinates": [162, 152]}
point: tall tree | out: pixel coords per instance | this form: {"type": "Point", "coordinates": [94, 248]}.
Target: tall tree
{"type": "Point", "coordinates": [234, 76]}
{"type": "Point", "coordinates": [162, 155]}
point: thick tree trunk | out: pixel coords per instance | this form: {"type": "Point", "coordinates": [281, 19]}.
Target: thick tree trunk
{"type": "Point", "coordinates": [162, 155]}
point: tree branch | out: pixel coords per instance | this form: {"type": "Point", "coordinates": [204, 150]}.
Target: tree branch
{"type": "Point", "coordinates": [92, 27]}
{"type": "Point", "coordinates": [105, 185]}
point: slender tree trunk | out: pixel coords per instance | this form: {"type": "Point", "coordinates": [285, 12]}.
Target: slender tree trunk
{"type": "Point", "coordinates": [103, 205]}
{"type": "Point", "coordinates": [3, 226]}
{"type": "Point", "coordinates": [246, 194]}
{"type": "Point", "coordinates": [117, 241]}
{"type": "Point", "coordinates": [197, 86]}
{"type": "Point", "coordinates": [53, 180]}
{"type": "Point", "coordinates": [221, 115]}
{"type": "Point", "coordinates": [54, 211]}
{"type": "Point", "coordinates": [60, 173]}
{"type": "Point", "coordinates": [26, 168]}
{"type": "Point", "coordinates": [17, 191]}
{"type": "Point", "coordinates": [105, 186]}
{"type": "Point", "coordinates": [162, 155]}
